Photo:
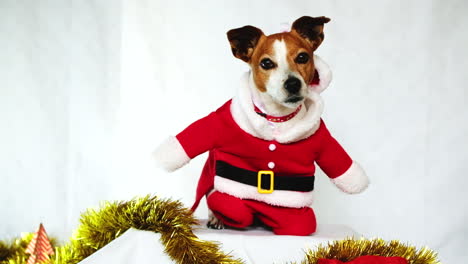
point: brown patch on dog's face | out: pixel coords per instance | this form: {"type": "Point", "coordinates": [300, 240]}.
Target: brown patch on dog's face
{"type": "Point", "coordinates": [263, 51]}
{"type": "Point", "coordinates": [300, 56]}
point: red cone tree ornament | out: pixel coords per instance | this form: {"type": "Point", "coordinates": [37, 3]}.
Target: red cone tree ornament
{"type": "Point", "coordinates": [39, 248]}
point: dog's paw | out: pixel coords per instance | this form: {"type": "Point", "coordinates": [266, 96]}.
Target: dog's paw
{"type": "Point", "coordinates": [214, 223]}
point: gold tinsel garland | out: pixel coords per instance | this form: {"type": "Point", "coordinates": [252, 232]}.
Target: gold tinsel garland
{"type": "Point", "coordinates": [13, 252]}
{"type": "Point", "coordinates": [350, 249]}
{"type": "Point", "coordinates": [174, 222]}
{"type": "Point", "coordinates": [169, 218]}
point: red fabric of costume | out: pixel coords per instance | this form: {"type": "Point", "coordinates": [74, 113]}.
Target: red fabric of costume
{"type": "Point", "coordinates": [240, 213]}
{"type": "Point", "coordinates": [219, 134]}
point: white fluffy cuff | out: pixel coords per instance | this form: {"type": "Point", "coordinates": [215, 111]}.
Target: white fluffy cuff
{"type": "Point", "coordinates": [170, 155]}
{"type": "Point", "coordinates": [353, 181]}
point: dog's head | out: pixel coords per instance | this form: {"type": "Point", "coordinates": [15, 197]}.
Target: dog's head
{"type": "Point", "coordinates": [282, 64]}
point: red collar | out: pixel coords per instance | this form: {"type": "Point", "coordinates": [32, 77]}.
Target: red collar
{"type": "Point", "coordinates": [277, 119]}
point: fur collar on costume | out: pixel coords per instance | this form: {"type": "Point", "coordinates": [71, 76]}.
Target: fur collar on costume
{"type": "Point", "coordinates": [301, 126]}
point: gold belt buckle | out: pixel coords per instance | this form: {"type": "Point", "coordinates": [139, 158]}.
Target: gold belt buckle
{"type": "Point", "coordinates": [259, 181]}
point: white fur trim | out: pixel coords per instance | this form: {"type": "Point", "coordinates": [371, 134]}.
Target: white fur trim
{"type": "Point", "coordinates": [170, 155]}
{"type": "Point", "coordinates": [353, 181]}
{"type": "Point", "coordinates": [279, 198]}
{"type": "Point", "coordinates": [325, 75]}
{"type": "Point", "coordinates": [302, 126]}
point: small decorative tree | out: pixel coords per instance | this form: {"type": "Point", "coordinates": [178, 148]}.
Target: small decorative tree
{"type": "Point", "coordinates": [39, 248]}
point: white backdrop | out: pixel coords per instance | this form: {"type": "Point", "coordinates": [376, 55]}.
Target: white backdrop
{"type": "Point", "coordinates": [89, 88]}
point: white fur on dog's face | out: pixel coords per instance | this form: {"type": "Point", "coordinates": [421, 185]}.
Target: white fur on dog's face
{"type": "Point", "coordinates": [275, 84]}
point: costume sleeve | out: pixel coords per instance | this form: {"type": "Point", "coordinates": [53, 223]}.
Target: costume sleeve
{"type": "Point", "coordinates": [345, 173]}
{"type": "Point", "coordinates": [196, 139]}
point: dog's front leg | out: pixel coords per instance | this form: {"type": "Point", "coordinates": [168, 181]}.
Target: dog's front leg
{"type": "Point", "coordinates": [213, 221]}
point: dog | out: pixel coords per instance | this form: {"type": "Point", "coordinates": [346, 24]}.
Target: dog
{"type": "Point", "coordinates": [264, 143]}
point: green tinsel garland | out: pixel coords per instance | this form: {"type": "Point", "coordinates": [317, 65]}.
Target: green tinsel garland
{"type": "Point", "coordinates": [174, 222]}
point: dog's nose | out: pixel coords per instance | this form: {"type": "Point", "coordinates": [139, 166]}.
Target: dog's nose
{"type": "Point", "coordinates": [292, 85]}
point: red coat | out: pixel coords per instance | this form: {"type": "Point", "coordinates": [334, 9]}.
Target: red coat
{"type": "Point", "coordinates": [240, 137]}
{"type": "Point", "coordinates": [219, 134]}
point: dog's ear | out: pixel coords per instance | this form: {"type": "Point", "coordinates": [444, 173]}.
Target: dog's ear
{"type": "Point", "coordinates": [311, 29]}
{"type": "Point", "coordinates": [243, 41]}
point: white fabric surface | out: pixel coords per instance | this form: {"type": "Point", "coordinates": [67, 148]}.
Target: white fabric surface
{"type": "Point", "coordinates": [255, 246]}
{"type": "Point", "coordinates": [88, 88]}
{"type": "Point", "coordinates": [133, 246]}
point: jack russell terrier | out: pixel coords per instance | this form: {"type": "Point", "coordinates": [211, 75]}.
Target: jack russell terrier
{"type": "Point", "coordinates": [263, 143]}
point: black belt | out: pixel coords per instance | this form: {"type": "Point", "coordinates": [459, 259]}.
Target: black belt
{"type": "Point", "coordinates": [262, 179]}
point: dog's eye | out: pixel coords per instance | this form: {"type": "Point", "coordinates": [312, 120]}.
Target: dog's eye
{"type": "Point", "coordinates": [267, 64]}
{"type": "Point", "coordinates": [302, 58]}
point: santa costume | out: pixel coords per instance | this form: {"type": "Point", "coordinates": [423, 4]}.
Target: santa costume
{"type": "Point", "coordinates": [261, 166]}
